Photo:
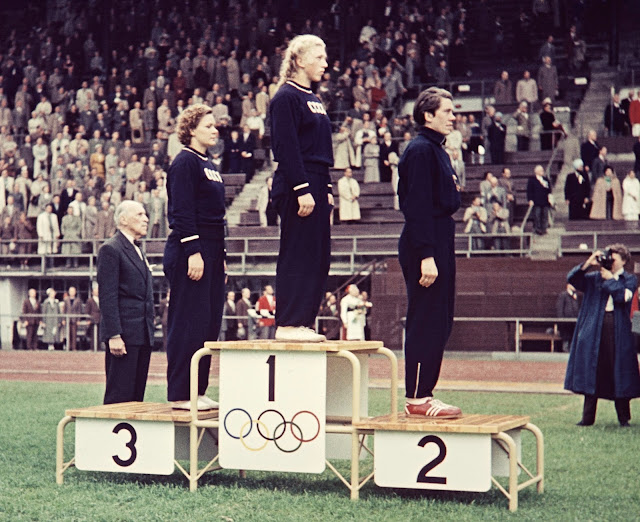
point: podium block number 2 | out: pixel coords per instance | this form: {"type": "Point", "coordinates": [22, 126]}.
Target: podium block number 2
{"type": "Point", "coordinates": [272, 410]}
{"type": "Point", "coordinates": [443, 461]}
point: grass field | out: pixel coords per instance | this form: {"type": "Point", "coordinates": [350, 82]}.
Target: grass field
{"type": "Point", "coordinates": [591, 473]}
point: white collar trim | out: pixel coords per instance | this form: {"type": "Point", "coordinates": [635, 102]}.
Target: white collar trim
{"type": "Point", "coordinates": [299, 87]}
{"type": "Point", "coordinates": [189, 149]}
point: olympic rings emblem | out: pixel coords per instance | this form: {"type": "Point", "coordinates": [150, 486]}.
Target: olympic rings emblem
{"type": "Point", "coordinates": [271, 426]}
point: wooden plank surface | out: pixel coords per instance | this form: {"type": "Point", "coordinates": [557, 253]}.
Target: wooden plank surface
{"type": "Point", "coordinates": [463, 424]}
{"type": "Point", "coordinates": [146, 411]}
{"type": "Point", "coordinates": [269, 345]}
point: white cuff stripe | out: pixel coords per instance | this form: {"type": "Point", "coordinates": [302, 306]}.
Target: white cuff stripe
{"type": "Point", "coordinates": [301, 186]}
{"type": "Point", "coordinates": [628, 295]}
{"type": "Point", "coordinates": [329, 185]}
{"type": "Point", "coordinates": [190, 238]}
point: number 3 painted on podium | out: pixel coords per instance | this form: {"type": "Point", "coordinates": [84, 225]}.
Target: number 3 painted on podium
{"type": "Point", "coordinates": [131, 444]}
{"type": "Point", "coordinates": [422, 475]}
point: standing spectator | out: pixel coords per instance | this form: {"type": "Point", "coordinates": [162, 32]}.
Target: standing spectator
{"type": "Point", "coordinates": [48, 231]}
{"type": "Point", "coordinates": [506, 183]}
{"type": "Point", "coordinates": [163, 317]}
{"type": "Point", "coordinates": [72, 305]}
{"type": "Point", "coordinates": [266, 308]}
{"type": "Point", "coordinates": [527, 90]}
{"type": "Point", "coordinates": [136, 123]}
{"type": "Point", "coordinates": [349, 192]}
{"type": "Point", "coordinates": [71, 230]}
{"type": "Point", "coordinates": [352, 314]}
{"type": "Point", "coordinates": [459, 168]}
{"type": "Point", "coordinates": [497, 134]}
{"type": "Point", "coordinates": [603, 363]}
{"type": "Point", "coordinates": [548, 80]}
{"type": "Point", "coordinates": [589, 150]}
{"type": "Point", "coordinates": [539, 197]}
{"type": "Point", "coordinates": [331, 326]}
{"type": "Point", "coordinates": [598, 165]}
{"type": "Point", "coordinates": [24, 235]}
{"type": "Point", "coordinates": [247, 148]}
{"type": "Point", "coordinates": [475, 219]}
{"type": "Point", "coordinates": [499, 224]}
{"type": "Point", "coordinates": [386, 147]}
{"type": "Point", "coordinates": [242, 310]}
{"type": "Point", "coordinates": [51, 318]}
{"type": "Point", "coordinates": [524, 126]}
{"type": "Point", "coordinates": [567, 306]}
{"type": "Point", "coordinates": [503, 90]}
{"type": "Point", "coordinates": [371, 159]}
{"type": "Point", "coordinates": [229, 326]}
{"type": "Point", "coordinates": [631, 197]}
{"type": "Point", "coordinates": [636, 152]}
{"type": "Point", "coordinates": [634, 115]}
{"type": "Point", "coordinates": [157, 212]}
{"type": "Point", "coordinates": [615, 117]}
{"type": "Point", "coordinates": [90, 222]}
{"type": "Point", "coordinates": [105, 226]}
{"type": "Point", "coordinates": [92, 309]}
{"type": "Point", "coordinates": [342, 149]}
{"type": "Point", "coordinates": [30, 321]}
{"type": "Point", "coordinates": [551, 128]}
{"type": "Point", "coordinates": [607, 197]}
{"type": "Point", "coordinates": [266, 210]}
{"type": "Point", "coordinates": [577, 192]}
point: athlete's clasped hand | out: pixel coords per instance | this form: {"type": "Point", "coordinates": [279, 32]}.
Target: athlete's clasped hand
{"type": "Point", "coordinates": [307, 204]}
{"type": "Point", "coordinates": [429, 272]}
{"type": "Point", "coordinates": [195, 268]}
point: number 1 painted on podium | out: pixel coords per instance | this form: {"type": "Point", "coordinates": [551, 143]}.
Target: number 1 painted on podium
{"type": "Point", "coordinates": [271, 362]}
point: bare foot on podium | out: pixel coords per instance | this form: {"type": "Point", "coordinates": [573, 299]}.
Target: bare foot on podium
{"type": "Point", "coordinates": [300, 334]}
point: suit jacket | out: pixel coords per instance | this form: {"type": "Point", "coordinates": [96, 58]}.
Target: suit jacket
{"type": "Point", "coordinates": [28, 309]}
{"type": "Point", "coordinates": [92, 309]}
{"type": "Point", "coordinates": [126, 293]}
{"type": "Point", "coordinates": [74, 309]}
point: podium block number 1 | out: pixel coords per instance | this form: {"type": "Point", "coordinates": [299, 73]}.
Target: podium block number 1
{"type": "Point", "coordinates": [272, 410]}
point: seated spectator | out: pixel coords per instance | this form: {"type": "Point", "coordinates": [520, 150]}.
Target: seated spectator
{"type": "Point", "coordinates": [607, 197]}
{"type": "Point", "coordinates": [349, 192]}
{"type": "Point", "coordinates": [631, 197]}
{"type": "Point", "coordinates": [475, 219]}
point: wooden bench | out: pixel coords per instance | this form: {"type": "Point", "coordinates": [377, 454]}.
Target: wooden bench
{"type": "Point", "coordinates": [550, 337]}
{"type": "Point", "coordinates": [471, 451]}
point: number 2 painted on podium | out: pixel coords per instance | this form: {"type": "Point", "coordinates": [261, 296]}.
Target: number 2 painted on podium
{"type": "Point", "coordinates": [422, 475]}
{"type": "Point", "coordinates": [271, 362]}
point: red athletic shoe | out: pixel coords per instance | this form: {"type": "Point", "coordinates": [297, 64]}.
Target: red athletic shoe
{"type": "Point", "coordinates": [433, 409]}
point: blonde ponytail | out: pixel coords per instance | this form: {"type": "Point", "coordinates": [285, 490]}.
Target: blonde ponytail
{"type": "Point", "coordinates": [298, 47]}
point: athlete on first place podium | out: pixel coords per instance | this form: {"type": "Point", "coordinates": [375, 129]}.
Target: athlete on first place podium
{"type": "Point", "coordinates": [302, 190]}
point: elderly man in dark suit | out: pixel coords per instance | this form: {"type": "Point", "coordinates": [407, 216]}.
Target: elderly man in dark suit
{"type": "Point", "coordinates": [126, 306]}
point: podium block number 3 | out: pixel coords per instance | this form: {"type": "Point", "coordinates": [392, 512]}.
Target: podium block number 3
{"type": "Point", "coordinates": [272, 410]}
{"type": "Point", "coordinates": [126, 446]}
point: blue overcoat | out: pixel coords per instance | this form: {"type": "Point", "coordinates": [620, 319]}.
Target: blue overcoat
{"type": "Point", "coordinates": [585, 345]}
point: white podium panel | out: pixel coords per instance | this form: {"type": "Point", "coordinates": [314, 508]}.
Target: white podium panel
{"type": "Point", "coordinates": [125, 446]}
{"type": "Point", "coordinates": [273, 410]}
{"type": "Point", "coordinates": [443, 461]}
{"type": "Point", "coordinates": [500, 459]}
{"type": "Point", "coordinates": [339, 401]}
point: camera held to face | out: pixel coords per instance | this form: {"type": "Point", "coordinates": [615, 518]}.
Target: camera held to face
{"type": "Point", "coordinates": [605, 259]}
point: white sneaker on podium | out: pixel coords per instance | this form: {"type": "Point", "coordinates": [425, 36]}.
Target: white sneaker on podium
{"type": "Point", "coordinates": [186, 405]}
{"type": "Point", "coordinates": [203, 399]}
{"type": "Point", "coordinates": [298, 334]}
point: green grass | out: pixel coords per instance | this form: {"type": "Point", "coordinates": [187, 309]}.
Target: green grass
{"type": "Point", "coordinates": [591, 473]}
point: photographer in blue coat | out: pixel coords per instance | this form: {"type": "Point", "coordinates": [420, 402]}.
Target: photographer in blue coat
{"type": "Point", "coordinates": [603, 363]}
